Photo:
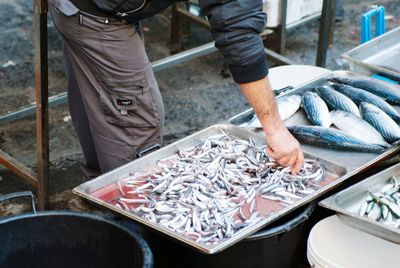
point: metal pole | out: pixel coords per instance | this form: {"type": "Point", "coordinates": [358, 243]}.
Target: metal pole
{"type": "Point", "coordinates": [41, 92]}
{"type": "Point", "coordinates": [282, 28]}
{"type": "Point", "coordinates": [175, 28]}
{"type": "Point", "coordinates": [184, 56]}
{"type": "Point", "coordinates": [325, 28]}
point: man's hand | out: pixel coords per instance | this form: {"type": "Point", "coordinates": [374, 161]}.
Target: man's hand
{"type": "Point", "coordinates": [282, 146]}
{"type": "Point", "coordinates": [285, 149]}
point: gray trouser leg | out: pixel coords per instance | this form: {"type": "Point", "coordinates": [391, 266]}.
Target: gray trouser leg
{"type": "Point", "coordinates": [114, 100]}
{"type": "Point", "coordinates": [89, 163]}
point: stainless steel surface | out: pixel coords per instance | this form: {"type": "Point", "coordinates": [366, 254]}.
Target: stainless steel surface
{"type": "Point", "coordinates": [333, 171]}
{"type": "Point", "coordinates": [348, 201]}
{"type": "Point", "coordinates": [380, 55]}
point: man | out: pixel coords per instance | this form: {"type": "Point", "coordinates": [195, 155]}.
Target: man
{"type": "Point", "coordinates": [114, 100]}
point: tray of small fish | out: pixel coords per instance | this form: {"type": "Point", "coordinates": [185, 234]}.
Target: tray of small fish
{"type": "Point", "coordinates": [380, 55]}
{"type": "Point", "coordinates": [345, 117]}
{"type": "Point", "coordinates": [211, 189]}
{"type": "Point", "coordinates": [372, 205]}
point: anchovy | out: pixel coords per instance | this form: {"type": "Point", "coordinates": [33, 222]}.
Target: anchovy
{"type": "Point", "coordinates": [359, 95]}
{"type": "Point", "coordinates": [337, 101]}
{"type": "Point", "coordinates": [379, 89]}
{"type": "Point", "coordinates": [205, 192]}
{"type": "Point", "coordinates": [333, 139]}
{"type": "Point", "coordinates": [380, 121]}
{"type": "Point", "coordinates": [316, 109]}
{"type": "Point", "coordinates": [357, 127]}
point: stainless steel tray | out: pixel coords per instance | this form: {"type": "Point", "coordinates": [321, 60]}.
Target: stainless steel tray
{"type": "Point", "coordinates": [347, 202]}
{"type": "Point", "coordinates": [380, 55]}
{"type": "Point", "coordinates": [100, 186]}
{"type": "Point", "coordinates": [354, 162]}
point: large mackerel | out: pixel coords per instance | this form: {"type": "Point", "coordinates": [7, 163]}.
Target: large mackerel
{"type": "Point", "coordinates": [376, 88]}
{"type": "Point", "coordinates": [337, 101]}
{"type": "Point", "coordinates": [287, 106]}
{"type": "Point", "coordinates": [332, 139]}
{"type": "Point", "coordinates": [357, 127]}
{"type": "Point", "coordinates": [359, 95]}
{"type": "Point", "coordinates": [380, 121]}
{"type": "Point", "coordinates": [316, 109]}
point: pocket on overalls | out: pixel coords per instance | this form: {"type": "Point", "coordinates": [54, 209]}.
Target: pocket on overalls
{"type": "Point", "coordinates": [128, 102]}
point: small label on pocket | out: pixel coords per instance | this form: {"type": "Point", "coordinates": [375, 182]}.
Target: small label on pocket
{"type": "Point", "coordinates": [124, 102]}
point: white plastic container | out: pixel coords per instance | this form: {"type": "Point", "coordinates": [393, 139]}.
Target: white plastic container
{"type": "Point", "coordinates": [333, 244]}
{"type": "Point", "coordinates": [296, 11]}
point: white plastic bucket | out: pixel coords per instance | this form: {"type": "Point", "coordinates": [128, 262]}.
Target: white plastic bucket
{"type": "Point", "coordinates": [332, 243]}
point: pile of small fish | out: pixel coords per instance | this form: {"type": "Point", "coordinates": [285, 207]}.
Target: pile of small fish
{"type": "Point", "coordinates": [384, 205]}
{"type": "Point", "coordinates": [211, 191]}
{"type": "Point", "coordinates": [358, 108]}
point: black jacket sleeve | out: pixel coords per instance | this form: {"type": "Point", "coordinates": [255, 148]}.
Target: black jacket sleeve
{"type": "Point", "coordinates": [236, 27]}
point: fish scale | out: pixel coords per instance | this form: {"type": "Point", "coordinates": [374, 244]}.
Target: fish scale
{"type": "Point", "coordinates": [337, 101]}
{"type": "Point", "coordinates": [376, 88]}
{"type": "Point", "coordinates": [357, 127]}
{"type": "Point", "coordinates": [359, 96]}
{"type": "Point", "coordinates": [316, 109]}
{"type": "Point", "coordinates": [333, 139]}
{"type": "Point", "coordinates": [381, 122]}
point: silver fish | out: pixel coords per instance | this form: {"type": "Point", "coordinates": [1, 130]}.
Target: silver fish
{"type": "Point", "coordinates": [359, 95]}
{"type": "Point", "coordinates": [316, 109]}
{"type": "Point", "coordinates": [333, 139]}
{"type": "Point", "coordinates": [337, 101]}
{"type": "Point", "coordinates": [381, 122]}
{"type": "Point", "coordinates": [383, 205]}
{"type": "Point", "coordinates": [357, 127]}
{"type": "Point", "coordinates": [204, 192]}
{"type": "Point", "coordinates": [287, 106]}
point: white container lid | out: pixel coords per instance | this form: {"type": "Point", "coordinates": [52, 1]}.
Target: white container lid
{"type": "Point", "coordinates": [332, 243]}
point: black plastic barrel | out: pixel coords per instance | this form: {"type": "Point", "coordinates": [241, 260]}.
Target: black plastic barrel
{"type": "Point", "coordinates": [68, 239]}
{"type": "Point", "coordinates": [279, 245]}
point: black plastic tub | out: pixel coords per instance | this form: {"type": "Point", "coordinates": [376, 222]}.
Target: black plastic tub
{"type": "Point", "coordinates": [68, 239]}
{"type": "Point", "coordinates": [279, 245]}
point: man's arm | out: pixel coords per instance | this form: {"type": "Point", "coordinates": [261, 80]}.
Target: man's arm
{"type": "Point", "coordinates": [236, 27]}
{"type": "Point", "coordinates": [282, 146]}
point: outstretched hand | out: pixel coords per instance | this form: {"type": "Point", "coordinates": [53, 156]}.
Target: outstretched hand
{"type": "Point", "coordinates": [282, 146]}
{"type": "Point", "coordinates": [285, 149]}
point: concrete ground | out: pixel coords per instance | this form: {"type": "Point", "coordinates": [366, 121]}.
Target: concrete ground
{"type": "Point", "coordinates": [196, 94]}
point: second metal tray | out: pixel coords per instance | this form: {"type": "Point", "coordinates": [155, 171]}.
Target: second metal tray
{"type": "Point", "coordinates": [347, 203]}
{"type": "Point", "coordinates": [381, 55]}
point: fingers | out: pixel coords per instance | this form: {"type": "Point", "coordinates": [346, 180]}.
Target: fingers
{"type": "Point", "coordinates": [298, 163]}
{"type": "Point", "coordinates": [294, 159]}
{"type": "Point", "coordinates": [285, 149]}
{"type": "Point", "coordinates": [270, 152]}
